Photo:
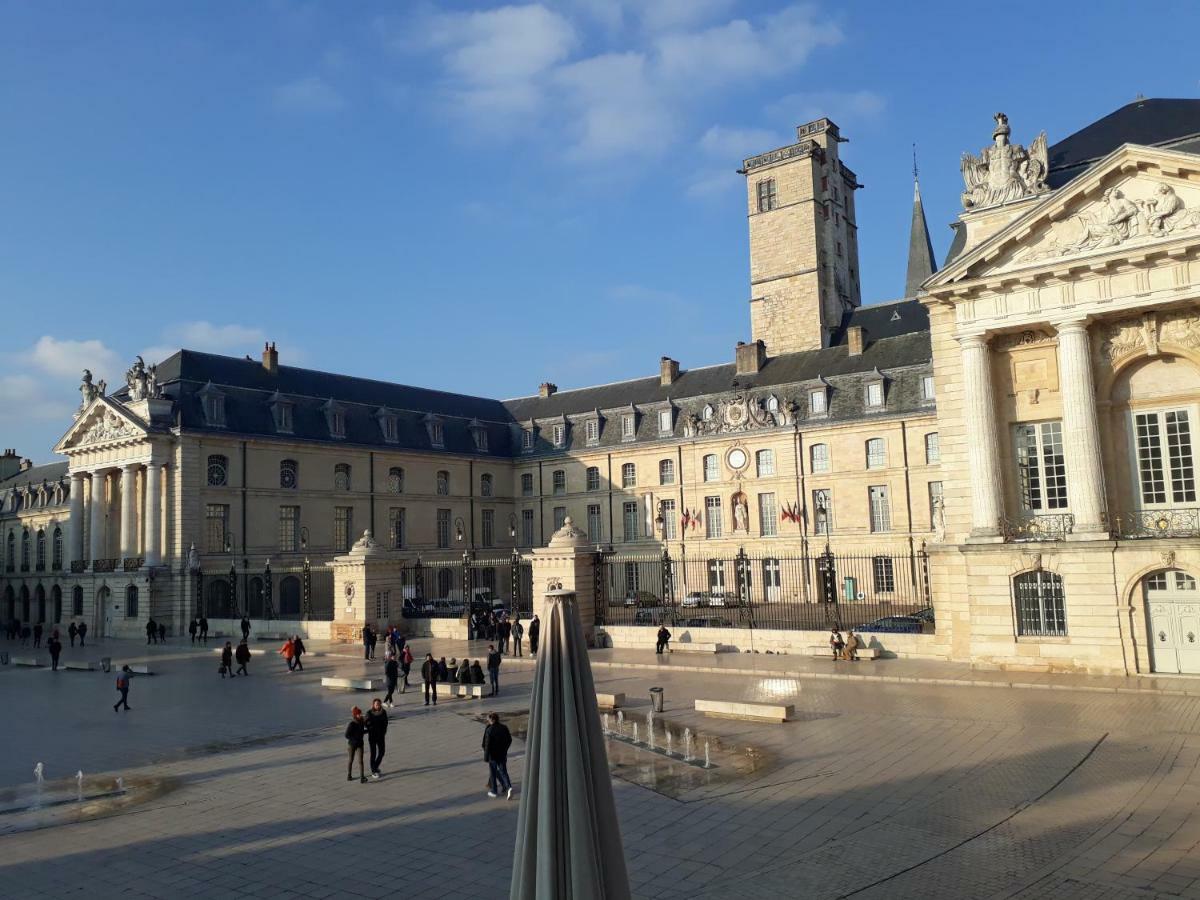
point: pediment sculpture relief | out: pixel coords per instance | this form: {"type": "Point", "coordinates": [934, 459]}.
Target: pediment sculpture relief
{"type": "Point", "coordinates": [108, 426]}
{"type": "Point", "coordinates": [1126, 337]}
{"type": "Point", "coordinates": [1004, 171]}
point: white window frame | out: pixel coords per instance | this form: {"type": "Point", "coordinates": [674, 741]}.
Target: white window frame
{"type": "Point", "coordinates": [928, 388]}
{"type": "Point", "coordinates": [593, 478]}
{"type": "Point", "coordinates": [879, 507]}
{"type": "Point", "coordinates": [558, 433]}
{"type": "Point", "coordinates": [628, 427]}
{"type": "Point", "coordinates": [666, 471]}
{"type": "Point", "coordinates": [768, 515]}
{"type": "Point", "coordinates": [713, 472]}
{"type": "Point", "coordinates": [818, 402]}
{"type": "Point", "coordinates": [628, 475]}
{"type": "Point", "coordinates": [819, 462]}
{"type": "Point", "coordinates": [629, 520]}
{"type": "Point", "coordinates": [876, 453]}
{"type": "Point", "coordinates": [714, 524]}
{"type": "Point", "coordinates": [933, 448]}
{"type": "Point", "coordinates": [526, 484]}
{"type": "Point", "coordinates": [1176, 458]}
{"type": "Point", "coordinates": [873, 395]}
{"type": "Point", "coordinates": [1041, 478]}
{"type": "Point", "coordinates": [767, 456]}
{"type": "Point", "coordinates": [666, 422]}
{"type": "Point", "coordinates": [558, 482]}
{"type": "Point", "coordinates": [591, 431]}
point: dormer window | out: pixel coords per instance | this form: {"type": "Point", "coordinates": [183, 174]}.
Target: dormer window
{"type": "Point", "coordinates": [213, 404]}
{"type": "Point", "coordinates": [666, 421]}
{"type": "Point", "coordinates": [282, 412]}
{"type": "Point", "coordinates": [559, 434]}
{"type": "Point", "coordinates": [591, 430]}
{"type": "Point", "coordinates": [928, 393]}
{"type": "Point", "coordinates": [478, 435]}
{"type": "Point", "coordinates": [389, 425]}
{"type": "Point", "coordinates": [335, 419]}
{"type": "Point", "coordinates": [873, 396]}
{"type": "Point", "coordinates": [436, 430]}
{"type": "Point", "coordinates": [628, 427]}
{"type": "Point", "coordinates": [772, 405]}
{"type": "Point", "coordinates": [526, 439]}
{"type": "Point", "coordinates": [707, 413]}
{"type": "Point", "coordinates": [818, 402]}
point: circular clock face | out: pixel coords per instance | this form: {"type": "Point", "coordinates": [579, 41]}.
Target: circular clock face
{"type": "Point", "coordinates": [737, 458]}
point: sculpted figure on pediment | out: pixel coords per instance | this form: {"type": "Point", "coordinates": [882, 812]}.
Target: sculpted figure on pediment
{"type": "Point", "coordinates": [108, 426]}
{"type": "Point", "coordinates": [1004, 171]}
{"type": "Point", "coordinates": [1120, 339]}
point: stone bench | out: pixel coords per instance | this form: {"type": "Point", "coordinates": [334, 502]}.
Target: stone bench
{"type": "Point", "coordinates": [353, 684]}
{"type": "Point", "coordinates": [863, 652]}
{"type": "Point", "coordinates": [610, 701]}
{"type": "Point", "coordinates": [454, 689]}
{"type": "Point", "coordinates": [80, 665]}
{"type": "Point", "coordinates": [26, 661]}
{"type": "Point", "coordinates": [758, 712]}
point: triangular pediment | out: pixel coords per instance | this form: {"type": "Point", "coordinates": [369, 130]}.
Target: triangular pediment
{"type": "Point", "coordinates": [1135, 199]}
{"type": "Point", "coordinates": [103, 422]}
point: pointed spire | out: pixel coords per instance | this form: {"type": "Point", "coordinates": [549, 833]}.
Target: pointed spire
{"type": "Point", "coordinates": [921, 263]}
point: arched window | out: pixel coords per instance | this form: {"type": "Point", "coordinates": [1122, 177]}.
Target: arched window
{"type": "Point", "coordinates": [485, 485]}
{"type": "Point", "coordinates": [1040, 603]}
{"type": "Point", "coordinates": [254, 598]}
{"type": "Point", "coordinates": [289, 474]}
{"type": "Point", "coordinates": [131, 602]}
{"type": "Point", "coordinates": [56, 603]}
{"type": "Point", "coordinates": [218, 471]}
{"type": "Point", "coordinates": [711, 472]}
{"type": "Point", "coordinates": [56, 552]}
{"type": "Point", "coordinates": [10, 603]}
{"type": "Point", "coordinates": [443, 483]}
{"type": "Point", "coordinates": [876, 454]}
{"type": "Point", "coordinates": [40, 557]}
{"type": "Point", "coordinates": [629, 475]}
{"type": "Point", "coordinates": [773, 405]}
{"type": "Point", "coordinates": [39, 594]}
{"type": "Point", "coordinates": [77, 601]}
{"type": "Point", "coordinates": [558, 478]}
{"type": "Point", "coordinates": [396, 480]}
{"type": "Point", "coordinates": [341, 477]}
{"type": "Point", "coordinates": [666, 471]}
{"type": "Point", "coordinates": [289, 597]}
{"type": "Point", "coordinates": [25, 550]}
{"type": "Point", "coordinates": [24, 603]}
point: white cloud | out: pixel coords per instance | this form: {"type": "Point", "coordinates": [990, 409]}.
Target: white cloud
{"type": "Point", "coordinates": [663, 15]}
{"type": "Point", "coordinates": [25, 397]}
{"type": "Point", "coordinates": [66, 358]}
{"type": "Point", "coordinates": [842, 106]}
{"type": "Point", "coordinates": [711, 183]}
{"type": "Point", "coordinates": [231, 340]}
{"type": "Point", "coordinates": [736, 144]}
{"type": "Point", "coordinates": [617, 110]}
{"type": "Point", "coordinates": [311, 94]}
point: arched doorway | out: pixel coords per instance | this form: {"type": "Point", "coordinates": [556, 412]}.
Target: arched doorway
{"type": "Point", "coordinates": [1173, 611]}
{"type": "Point", "coordinates": [104, 611]}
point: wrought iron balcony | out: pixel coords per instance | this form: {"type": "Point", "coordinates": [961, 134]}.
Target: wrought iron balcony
{"type": "Point", "coordinates": [1158, 523]}
{"type": "Point", "coordinates": [1051, 527]}
{"type": "Point", "coordinates": [133, 563]}
{"type": "Point", "coordinates": [105, 565]}
{"type": "Point", "coordinates": [79, 566]}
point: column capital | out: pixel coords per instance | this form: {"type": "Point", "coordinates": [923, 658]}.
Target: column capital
{"type": "Point", "coordinates": [1072, 326]}
{"type": "Point", "coordinates": [974, 340]}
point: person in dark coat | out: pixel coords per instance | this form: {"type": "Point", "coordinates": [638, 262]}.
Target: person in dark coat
{"type": "Point", "coordinates": [242, 655]}
{"type": "Point", "coordinates": [227, 661]}
{"type": "Point", "coordinates": [366, 639]}
{"type": "Point", "coordinates": [496, 741]}
{"type": "Point", "coordinates": [204, 629]}
{"type": "Point", "coordinates": [443, 670]}
{"type": "Point", "coordinates": [193, 627]}
{"type": "Point", "coordinates": [72, 632]}
{"type": "Point", "coordinates": [151, 632]}
{"type": "Point", "coordinates": [245, 629]}
{"type": "Point", "coordinates": [82, 633]}
{"type": "Point", "coordinates": [391, 677]}
{"type": "Point", "coordinates": [476, 673]}
{"type": "Point", "coordinates": [54, 645]}
{"type": "Point", "coordinates": [463, 675]}
{"type": "Point", "coordinates": [162, 632]}
{"type": "Point", "coordinates": [25, 633]}
{"type": "Point", "coordinates": [535, 632]}
{"type": "Point", "coordinates": [493, 667]}
{"type": "Point", "coordinates": [429, 674]}
{"type": "Point", "coordinates": [37, 634]}
{"type": "Point", "coordinates": [663, 639]}
{"type": "Point", "coordinates": [354, 741]}
{"type": "Point", "coordinates": [297, 652]}
{"type": "Point", "coordinates": [518, 632]}
{"type": "Point", "coordinates": [406, 661]}
{"type": "Point", "coordinates": [123, 686]}
{"type": "Point", "coordinates": [377, 726]}
{"type": "Point", "coordinates": [505, 631]}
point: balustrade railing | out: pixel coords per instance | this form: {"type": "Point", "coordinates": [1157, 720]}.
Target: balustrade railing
{"type": "Point", "coordinates": [1049, 527]}
{"type": "Point", "coordinates": [1157, 523]}
{"type": "Point", "coordinates": [78, 566]}
{"type": "Point", "coordinates": [105, 565]}
{"type": "Point", "coordinates": [133, 563]}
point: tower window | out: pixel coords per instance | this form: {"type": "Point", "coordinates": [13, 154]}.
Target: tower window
{"type": "Point", "coordinates": [766, 195]}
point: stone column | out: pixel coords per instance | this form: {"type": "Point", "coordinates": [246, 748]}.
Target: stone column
{"type": "Point", "coordinates": [1081, 430]}
{"type": "Point", "coordinates": [153, 514]}
{"type": "Point", "coordinates": [99, 504]}
{"type": "Point", "coordinates": [567, 563]}
{"type": "Point", "coordinates": [983, 449]}
{"type": "Point", "coordinates": [76, 550]}
{"type": "Point", "coordinates": [128, 511]}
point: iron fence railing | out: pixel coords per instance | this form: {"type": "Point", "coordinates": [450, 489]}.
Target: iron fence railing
{"type": "Point", "coordinates": [1158, 523]}
{"type": "Point", "coordinates": [444, 587]}
{"type": "Point", "coordinates": [1049, 527]}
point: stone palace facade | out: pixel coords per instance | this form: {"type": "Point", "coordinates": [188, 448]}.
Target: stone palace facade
{"type": "Point", "coordinates": [1012, 443]}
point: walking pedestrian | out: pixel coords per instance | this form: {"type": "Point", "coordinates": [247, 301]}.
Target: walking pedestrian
{"type": "Point", "coordinates": [204, 629]}
{"type": "Point", "coordinates": [82, 633]}
{"type": "Point", "coordinates": [429, 670]}
{"type": "Point", "coordinates": [836, 644]}
{"type": "Point", "coordinates": [227, 660]}
{"type": "Point", "coordinates": [663, 639]}
{"type": "Point", "coordinates": [377, 725]}
{"type": "Point", "coordinates": [535, 631]}
{"type": "Point", "coordinates": [505, 630]}
{"type": "Point", "coordinates": [288, 652]}
{"type": "Point", "coordinates": [25, 633]}
{"type": "Point", "coordinates": [242, 655]}
{"type": "Point", "coordinates": [193, 627]}
{"type": "Point", "coordinates": [123, 687]}
{"type": "Point", "coordinates": [406, 661]}
{"type": "Point", "coordinates": [518, 631]}
{"type": "Point", "coordinates": [493, 666]}
{"type": "Point", "coordinates": [37, 634]}
{"type": "Point", "coordinates": [72, 633]}
{"type": "Point", "coordinates": [245, 629]}
{"type": "Point", "coordinates": [366, 639]}
{"type": "Point", "coordinates": [151, 631]}
{"type": "Point", "coordinates": [162, 632]}
{"type": "Point", "coordinates": [354, 740]}
{"type": "Point", "coordinates": [391, 676]}
{"type": "Point", "coordinates": [298, 651]}
{"type": "Point", "coordinates": [496, 741]}
{"type": "Point", "coordinates": [54, 645]}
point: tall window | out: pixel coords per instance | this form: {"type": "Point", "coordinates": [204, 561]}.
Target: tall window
{"type": "Point", "coordinates": [395, 480]}
{"type": "Point", "coordinates": [884, 574]}
{"type": "Point", "coordinates": [527, 439]}
{"type": "Point", "coordinates": [527, 528]}
{"type": "Point", "coordinates": [485, 485]}
{"type": "Point", "coordinates": [933, 450]}
{"type": "Point", "coordinates": [819, 456]}
{"type": "Point", "coordinates": [666, 471]}
{"type": "Point", "coordinates": [629, 520]}
{"type": "Point", "coordinates": [131, 602]}
{"type": "Point", "coordinates": [666, 421]}
{"type": "Point", "coordinates": [817, 402]}
{"type": "Point", "coordinates": [289, 474]}
{"type": "Point", "coordinates": [591, 431]}
{"type": "Point", "coordinates": [437, 434]}
{"type": "Point", "coordinates": [713, 525]}
{"type": "Point", "coordinates": [480, 437]}
{"type": "Point", "coordinates": [77, 601]}
{"type": "Point", "coordinates": [443, 483]}
{"type": "Point", "coordinates": [632, 579]}
{"type": "Point", "coordinates": [1041, 466]}
{"type": "Point", "coordinates": [935, 500]}
{"type": "Point", "coordinates": [764, 462]}
{"type": "Point", "coordinates": [768, 516]}
{"type": "Point", "coordinates": [766, 195]}
{"type": "Point", "coordinates": [289, 529]}
{"type": "Point", "coordinates": [559, 433]}
{"type": "Point", "coordinates": [390, 428]}
{"type": "Point", "coordinates": [876, 454]}
{"type": "Point", "coordinates": [881, 510]}
{"type": "Point", "coordinates": [218, 471]}
{"type": "Point", "coordinates": [40, 555]}
{"type": "Point", "coordinates": [593, 523]}
{"type": "Point", "coordinates": [716, 576]}
{"type": "Point", "coordinates": [874, 394]}
{"type": "Point", "coordinates": [56, 552]}
{"type": "Point", "coordinates": [1040, 603]}
{"type": "Point", "coordinates": [487, 522]}
{"type": "Point", "coordinates": [670, 522]}
{"type": "Point", "coordinates": [711, 472]}
{"type": "Point", "coordinates": [560, 517]}
{"type": "Point", "coordinates": [1168, 477]}
{"type": "Point", "coordinates": [10, 557]}
{"type": "Point", "coordinates": [216, 522]}
{"type": "Point", "coordinates": [927, 389]}
{"type": "Point", "coordinates": [593, 478]}
{"type": "Point", "coordinates": [558, 478]}
{"type": "Point", "coordinates": [527, 484]}
{"type": "Point", "coordinates": [443, 529]}
{"type": "Point", "coordinates": [343, 527]}
{"type": "Point", "coordinates": [822, 516]}
{"type": "Point", "coordinates": [397, 529]}
{"type": "Point", "coordinates": [25, 551]}
{"type": "Point", "coordinates": [628, 427]}
{"type": "Point", "coordinates": [628, 475]}
{"type": "Point", "coordinates": [341, 477]}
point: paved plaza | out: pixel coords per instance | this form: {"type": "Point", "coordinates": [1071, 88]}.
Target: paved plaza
{"type": "Point", "coordinates": [946, 782]}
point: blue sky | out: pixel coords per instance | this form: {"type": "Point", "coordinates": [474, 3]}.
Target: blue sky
{"type": "Point", "coordinates": [480, 197]}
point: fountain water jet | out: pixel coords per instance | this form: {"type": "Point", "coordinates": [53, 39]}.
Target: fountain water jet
{"type": "Point", "coordinates": [668, 742]}
{"type": "Point", "coordinates": [79, 786]}
{"type": "Point", "coordinates": [707, 758]}
{"type": "Point", "coordinates": [687, 745]}
{"type": "Point", "coordinates": [635, 732]}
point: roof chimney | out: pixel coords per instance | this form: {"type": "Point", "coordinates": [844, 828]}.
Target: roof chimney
{"type": "Point", "coordinates": [854, 340]}
{"type": "Point", "coordinates": [668, 371]}
{"type": "Point", "coordinates": [26, 465]}
{"type": "Point", "coordinates": [750, 357]}
{"type": "Point", "coordinates": [545, 389]}
{"type": "Point", "coordinates": [270, 358]}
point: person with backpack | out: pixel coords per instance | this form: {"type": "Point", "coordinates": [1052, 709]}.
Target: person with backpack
{"type": "Point", "coordinates": [406, 661]}
{"type": "Point", "coordinates": [836, 644]}
{"type": "Point", "coordinates": [391, 677]}
{"type": "Point", "coordinates": [298, 651]}
{"type": "Point", "coordinates": [496, 741]}
{"type": "Point", "coordinates": [227, 661]}
{"type": "Point", "coordinates": [377, 726]}
{"type": "Point", "coordinates": [123, 687]}
{"type": "Point", "coordinates": [354, 741]}
{"type": "Point", "coordinates": [429, 674]}
{"type": "Point", "coordinates": [242, 655]}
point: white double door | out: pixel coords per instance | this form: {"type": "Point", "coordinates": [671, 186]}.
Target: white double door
{"type": "Point", "coordinates": [1173, 604]}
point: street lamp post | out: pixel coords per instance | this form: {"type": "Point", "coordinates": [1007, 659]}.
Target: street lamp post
{"type": "Point", "coordinates": [306, 580]}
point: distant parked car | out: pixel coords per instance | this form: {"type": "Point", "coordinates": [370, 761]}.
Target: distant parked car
{"type": "Point", "coordinates": [893, 625]}
{"type": "Point", "coordinates": [653, 617]}
{"type": "Point", "coordinates": [709, 622]}
{"type": "Point", "coordinates": [694, 599]}
{"type": "Point", "coordinates": [925, 615]}
{"type": "Point", "coordinates": [640, 598]}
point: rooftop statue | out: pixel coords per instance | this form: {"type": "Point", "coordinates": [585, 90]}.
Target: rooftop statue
{"type": "Point", "coordinates": [1004, 171]}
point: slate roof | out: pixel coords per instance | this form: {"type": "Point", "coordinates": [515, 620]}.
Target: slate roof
{"type": "Point", "coordinates": [1158, 122]}
{"type": "Point", "coordinates": [921, 263]}
{"type": "Point", "coordinates": [50, 472]}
